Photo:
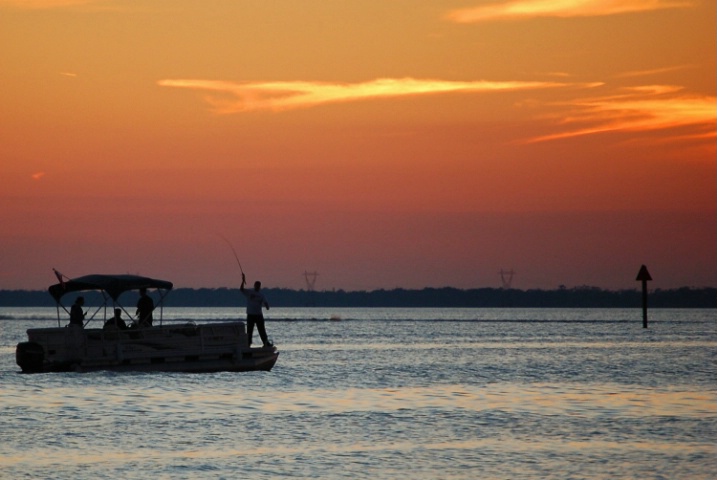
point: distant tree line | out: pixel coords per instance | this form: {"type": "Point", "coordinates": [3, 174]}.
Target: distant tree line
{"type": "Point", "coordinates": [577, 297]}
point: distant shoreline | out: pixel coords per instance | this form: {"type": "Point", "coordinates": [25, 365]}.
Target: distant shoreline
{"type": "Point", "coordinates": [577, 297]}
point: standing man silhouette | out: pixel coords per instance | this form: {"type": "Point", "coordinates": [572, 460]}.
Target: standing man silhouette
{"type": "Point", "coordinates": [145, 307]}
{"type": "Point", "coordinates": [77, 315]}
{"type": "Point", "coordinates": [254, 316]}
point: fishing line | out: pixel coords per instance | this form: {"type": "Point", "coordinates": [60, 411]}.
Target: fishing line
{"type": "Point", "coordinates": [233, 251]}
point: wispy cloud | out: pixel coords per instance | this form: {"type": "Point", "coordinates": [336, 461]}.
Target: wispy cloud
{"type": "Point", "coordinates": [76, 5]}
{"type": "Point", "coordinates": [654, 71]}
{"type": "Point", "coordinates": [228, 97]}
{"type": "Point", "coordinates": [45, 4]}
{"type": "Point", "coordinates": [520, 9]}
{"type": "Point", "coordinates": [638, 109]}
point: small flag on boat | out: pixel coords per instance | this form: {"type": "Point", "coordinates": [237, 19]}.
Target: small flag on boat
{"type": "Point", "coordinates": [59, 277]}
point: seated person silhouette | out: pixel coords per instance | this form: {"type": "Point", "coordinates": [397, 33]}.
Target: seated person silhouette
{"type": "Point", "coordinates": [116, 322]}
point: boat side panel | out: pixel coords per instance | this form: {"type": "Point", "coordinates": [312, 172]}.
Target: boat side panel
{"type": "Point", "coordinates": [181, 348]}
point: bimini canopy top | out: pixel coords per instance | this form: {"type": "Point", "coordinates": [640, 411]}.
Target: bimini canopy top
{"type": "Point", "coordinates": [114, 285]}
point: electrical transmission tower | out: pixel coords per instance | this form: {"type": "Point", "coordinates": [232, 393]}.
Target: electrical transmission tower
{"type": "Point", "coordinates": [310, 280]}
{"type": "Point", "coordinates": [506, 278]}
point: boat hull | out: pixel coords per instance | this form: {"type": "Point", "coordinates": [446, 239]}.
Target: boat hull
{"type": "Point", "coordinates": [213, 347]}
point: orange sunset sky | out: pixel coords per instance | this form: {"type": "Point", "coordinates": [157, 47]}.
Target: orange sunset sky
{"type": "Point", "coordinates": [382, 144]}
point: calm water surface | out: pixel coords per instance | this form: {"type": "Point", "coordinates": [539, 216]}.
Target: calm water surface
{"type": "Point", "coordinates": [385, 394]}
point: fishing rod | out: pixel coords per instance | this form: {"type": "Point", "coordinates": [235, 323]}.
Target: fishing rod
{"type": "Point", "coordinates": [234, 252]}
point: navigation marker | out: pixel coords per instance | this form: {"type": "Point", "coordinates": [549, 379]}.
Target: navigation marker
{"type": "Point", "coordinates": [644, 276]}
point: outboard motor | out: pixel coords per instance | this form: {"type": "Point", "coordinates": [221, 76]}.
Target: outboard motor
{"type": "Point", "coordinates": [30, 356]}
